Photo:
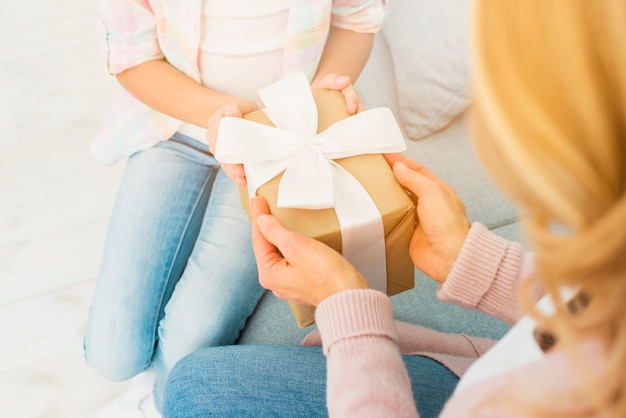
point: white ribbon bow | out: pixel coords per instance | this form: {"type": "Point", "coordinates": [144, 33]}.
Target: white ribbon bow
{"type": "Point", "coordinates": [311, 179]}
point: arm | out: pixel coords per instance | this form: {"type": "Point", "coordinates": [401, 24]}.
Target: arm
{"type": "Point", "coordinates": [487, 275]}
{"type": "Point", "coordinates": [476, 268]}
{"type": "Point", "coordinates": [366, 374]}
{"type": "Point", "coordinates": [348, 46]}
{"type": "Point", "coordinates": [346, 52]}
{"type": "Point", "coordinates": [343, 59]}
{"type": "Point", "coordinates": [162, 87]}
{"type": "Point", "coordinates": [131, 51]}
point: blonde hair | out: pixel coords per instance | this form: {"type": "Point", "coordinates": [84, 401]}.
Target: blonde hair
{"type": "Point", "coordinates": [550, 89]}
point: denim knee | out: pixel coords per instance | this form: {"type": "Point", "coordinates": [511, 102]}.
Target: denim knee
{"type": "Point", "coordinates": [116, 367]}
{"type": "Point", "coordinates": [179, 389]}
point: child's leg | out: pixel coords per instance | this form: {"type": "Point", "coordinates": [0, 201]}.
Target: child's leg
{"type": "Point", "coordinates": [219, 288]}
{"type": "Point", "coordinates": [155, 223]}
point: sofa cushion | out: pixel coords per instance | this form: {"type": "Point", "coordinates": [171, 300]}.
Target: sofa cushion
{"type": "Point", "coordinates": [449, 154]}
{"type": "Point", "coordinates": [428, 46]}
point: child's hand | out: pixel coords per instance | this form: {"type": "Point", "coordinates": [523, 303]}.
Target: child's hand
{"type": "Point", "coordinates": [342, 83]}
{"type": "Point", "coordinates": [236, 110]}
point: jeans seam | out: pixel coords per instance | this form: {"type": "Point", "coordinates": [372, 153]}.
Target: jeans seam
{"type": "Point", "coordinates": [169, 273]}
{"type": "Point", "coordinates": [251, 308]}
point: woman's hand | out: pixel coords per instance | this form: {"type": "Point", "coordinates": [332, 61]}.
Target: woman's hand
{"type": "Point", "coordinates": [343, 84]}
{"type": "Point", "coordinates": [295, 267]}
{"type": "Point", "coordinates": [235, 109]}
{"type": "Point", "coordinates": [442, 223]}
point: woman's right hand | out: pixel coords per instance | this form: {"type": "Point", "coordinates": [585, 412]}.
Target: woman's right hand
{"type": "Point", "coordinates": [294, 267]}
{"type": "Point", "coordinates": [442, 223]}
{"type": "Point", "coordinates": [235, 109]}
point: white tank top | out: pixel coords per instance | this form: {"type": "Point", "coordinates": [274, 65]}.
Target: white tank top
{"type": "Point", "coordinates": [241, 48]}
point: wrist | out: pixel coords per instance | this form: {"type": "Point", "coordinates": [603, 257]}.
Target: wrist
{"type": "Point", "coordinates": [451, 256]}
{"type": "Point", "coordinates": [340, 284]}
{"type": "Point", "coordinates": [244, 106]}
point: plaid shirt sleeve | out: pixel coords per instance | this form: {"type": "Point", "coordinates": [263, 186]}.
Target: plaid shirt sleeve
{"type": "Point", "coordinates": [127, 31]}
{"type": "Point", "coordinates": [359, 15]}
{"type": "Point", "coordinates": [311, 21]}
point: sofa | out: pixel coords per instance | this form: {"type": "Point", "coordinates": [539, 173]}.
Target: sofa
{"type": "Point", "coordinates": [419, 68]}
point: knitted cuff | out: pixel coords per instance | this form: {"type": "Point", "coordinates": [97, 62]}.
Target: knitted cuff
{"type": "Point", "coordinates": [354, 313]}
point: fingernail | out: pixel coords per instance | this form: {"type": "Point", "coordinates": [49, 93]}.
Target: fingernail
{"type": "Point", "coordinates": [342, 79]}
{"type": "Point", "coordinates": [400, 165]}
{"type": "Point", "coordinates": [261, 220]}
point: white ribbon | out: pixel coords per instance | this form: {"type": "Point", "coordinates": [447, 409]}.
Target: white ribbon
{"type": "Point", "coordinates": [311, 179]}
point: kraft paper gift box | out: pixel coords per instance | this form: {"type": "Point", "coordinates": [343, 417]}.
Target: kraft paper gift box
{"type": "Point", "coordinates": [396, 209]}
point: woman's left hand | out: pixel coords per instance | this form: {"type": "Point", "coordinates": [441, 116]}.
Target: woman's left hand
{"type": "Point", "coordinates": [294, 267]}
{"type": "Point", "coordinates": [442, 223]}
{"type": "Point", "coordinates": [343, 84]}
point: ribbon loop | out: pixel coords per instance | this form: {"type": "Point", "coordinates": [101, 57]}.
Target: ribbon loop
{"type": "Point", "coordinates": [286, 109]}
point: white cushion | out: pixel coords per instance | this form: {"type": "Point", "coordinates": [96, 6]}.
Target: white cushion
{"type": "Point", "coordinates": [428, 44]}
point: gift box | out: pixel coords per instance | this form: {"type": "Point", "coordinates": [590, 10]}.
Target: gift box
{"type": "Point", "coordinates": [393, 204]}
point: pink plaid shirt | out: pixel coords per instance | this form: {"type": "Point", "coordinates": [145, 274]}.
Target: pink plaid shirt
{"type": "Point", "coordinates": [135, 31]}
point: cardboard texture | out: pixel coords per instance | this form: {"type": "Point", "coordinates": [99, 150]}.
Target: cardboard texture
{"type": "Point", "coordinates": [372, 171]}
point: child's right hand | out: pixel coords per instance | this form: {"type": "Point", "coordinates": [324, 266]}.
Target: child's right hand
{"type": "Point", "coordinates": [234, 109]}
{"type": "Point", "coordinates": [343, 84]}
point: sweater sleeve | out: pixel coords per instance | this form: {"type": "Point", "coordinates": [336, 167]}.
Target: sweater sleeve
{"type": "Point", "coordinates": [487, 275]}
{"type": "Point", "coordinates": [366, 373]}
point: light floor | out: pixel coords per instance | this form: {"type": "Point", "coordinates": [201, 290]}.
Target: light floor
{"type": "Point", "coordinates": [55, 200]}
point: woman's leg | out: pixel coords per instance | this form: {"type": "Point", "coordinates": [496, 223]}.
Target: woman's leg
{"type": "Point", "coordinates": [432, 384]}
{"type": "Point", "coordinates": [219, 288]}
{"type": "Point", "coordinates": [248, 381]}
{"type": "Point", "coordinates": [278, 381]}
{"type": "Point", "coordinates": [155, 223]}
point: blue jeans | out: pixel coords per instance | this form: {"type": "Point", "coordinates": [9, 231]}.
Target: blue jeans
{"type": "Point", "coordinates": [178, 271]}
{"type": "Point", "coordinates": [278, 381]}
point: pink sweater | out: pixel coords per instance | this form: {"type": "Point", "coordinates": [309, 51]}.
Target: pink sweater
{"type": "Point", "coordinates": [361, 340]}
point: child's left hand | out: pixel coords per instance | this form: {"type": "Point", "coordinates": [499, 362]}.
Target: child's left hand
{"type": "Point", "coordinates": [343, 84]}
